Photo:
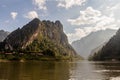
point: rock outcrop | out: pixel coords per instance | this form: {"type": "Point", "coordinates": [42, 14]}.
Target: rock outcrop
{"type": "Point", "coordinates": [39, 37]}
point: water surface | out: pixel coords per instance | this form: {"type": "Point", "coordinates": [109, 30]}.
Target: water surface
{"type": "Point", "coordinates": [50, 70]}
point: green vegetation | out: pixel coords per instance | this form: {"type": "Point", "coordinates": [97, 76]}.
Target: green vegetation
{"type": "Point", "coordinates": [109, 52]}
{"type": "Point", "coordinates": [46, 47]}
{"type": "Point", "coordinates": [38, 50]}
{"type": "Point", "coordinates": [28, 56]}
{"type": "Point", "coordinates": [37, 40]}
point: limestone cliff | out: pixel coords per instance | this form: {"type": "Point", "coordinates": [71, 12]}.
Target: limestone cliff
{"type": "Point", "coordinates": [39, 36]}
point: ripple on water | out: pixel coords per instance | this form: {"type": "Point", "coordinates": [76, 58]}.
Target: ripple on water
{"type": "Point", "coordinates": [101, 71]}
{"type": "Point", "coordinates": [73, 79]}
{"type": "Point", "coordinates": [115, 78]}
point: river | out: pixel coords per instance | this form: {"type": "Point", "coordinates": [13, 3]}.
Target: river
{"type": "Point", "coordinates": [51, 70]}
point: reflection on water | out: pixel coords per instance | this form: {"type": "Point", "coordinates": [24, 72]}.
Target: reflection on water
{"type": "Point", "coordinates": [34, 71]}
{"type": "Point", "coordinates": [79, 70]}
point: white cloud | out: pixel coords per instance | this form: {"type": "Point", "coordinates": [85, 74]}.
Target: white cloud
{"type": "Point", "coordinates": [111, 9]}
{"type": "Point", "coordinates": [31, 15]}
{"type": "Point", "coordinates": [88, 16]}
{"type": "Point", "coordinates": [93, 17]}
{"type": "Point", "coordinates": [69, 3]}
{"type": "Point", "coordinates": [40, 4]}
{"type": "Point", "coordinates": [96, 21]}
{"type": "Point", "coordinates": [82, 32]}
{"type": "Point", "coordinates": [79, 33]}
{"type": "Point", "coordinates": [14, 15]}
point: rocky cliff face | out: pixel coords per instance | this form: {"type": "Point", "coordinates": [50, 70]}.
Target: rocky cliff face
{"type": "Point", "coordinates": [39, 36]}
{"type": "Point", "coordinates": [20, 37]}
{"type": "Point", "coordinates": [111, 51]}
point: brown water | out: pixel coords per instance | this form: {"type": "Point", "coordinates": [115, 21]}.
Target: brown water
{"type": "Point", "coordinates": [79, 70]}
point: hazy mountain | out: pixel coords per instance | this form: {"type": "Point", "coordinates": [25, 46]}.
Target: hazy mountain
{"type": "Point", "coordinates": [96, 50]}
{"type": "Point", "coordinates": [85, 45]}
{"type": "Point", "coordinates": [3, 35]}
{"type": "Point", "coordinates": [39, 36]}
{"type": "Point", "coordinates": [111, 51]}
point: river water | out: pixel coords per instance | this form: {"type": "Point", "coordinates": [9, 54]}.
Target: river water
{"type": "Point", "coordinates": [50, 70]}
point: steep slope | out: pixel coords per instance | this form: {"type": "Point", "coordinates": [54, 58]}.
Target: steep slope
{"type": "Point", "coordinates": [96, 50]}
{"type": "Point", "coordinates": [111, 51]}
{"type": "Point", "coordinates": [37, 36]}
{"type": "Point", "coordinates": [3, 35]}
{"type": "Point", "coordinates": [85, 45]}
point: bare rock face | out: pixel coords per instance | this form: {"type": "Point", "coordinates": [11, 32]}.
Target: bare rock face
{"type": "Point", "coordinates": [40, 36]}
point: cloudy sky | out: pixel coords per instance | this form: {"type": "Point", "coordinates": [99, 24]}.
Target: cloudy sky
{"type": "Point", "coordinates": [79, 17]}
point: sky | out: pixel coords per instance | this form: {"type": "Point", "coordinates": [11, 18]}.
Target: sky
{"type": "Point", "coordinates": [79, 17]}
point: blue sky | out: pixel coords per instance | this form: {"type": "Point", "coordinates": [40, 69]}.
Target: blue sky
{"type": "Point", "coordinates": [79, 17]}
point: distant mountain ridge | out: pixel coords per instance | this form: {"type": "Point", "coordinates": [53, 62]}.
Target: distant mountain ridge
{"type": "Point", "coordinates": [3, 35]}
{"type": "Point", "coordinates": [111, 51]}
{"type": "Point", "coordinates": [96, 50]}
{"type": "Point", "coordinates": [85, 45]}
{"type": "Point", "coordinates": [37, 36]}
